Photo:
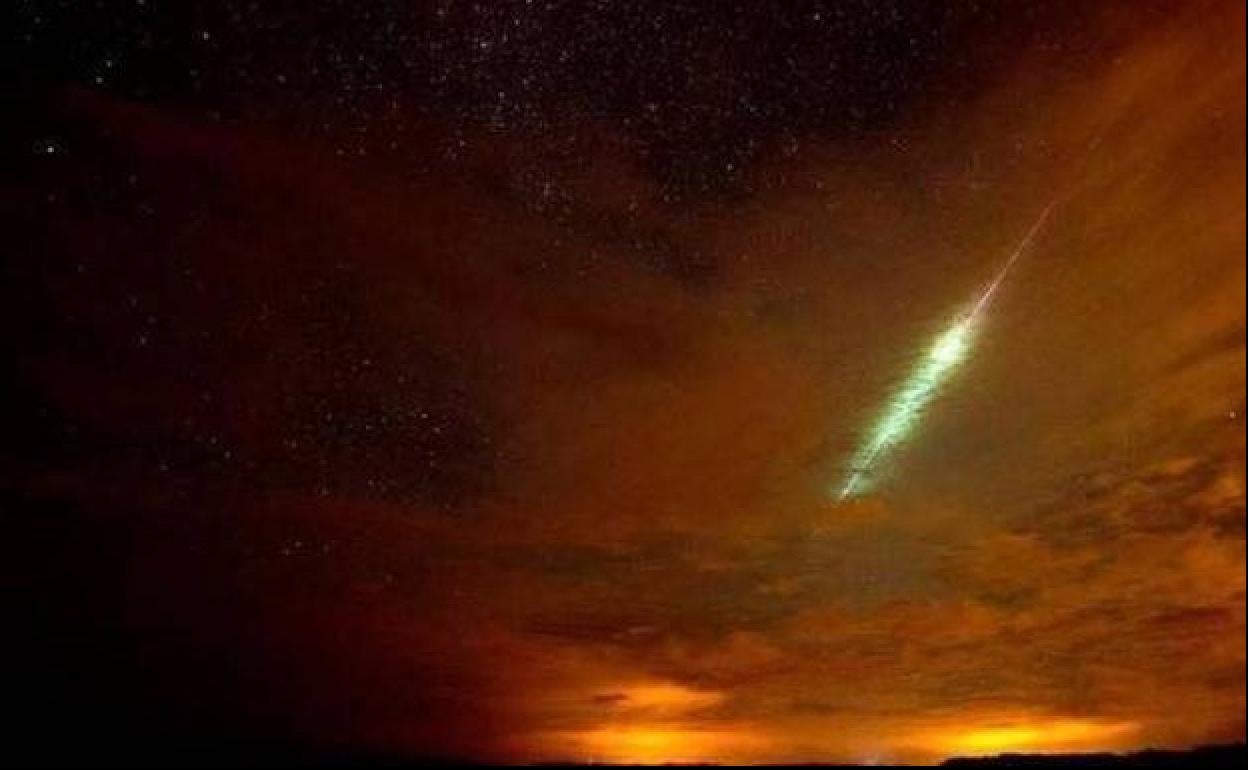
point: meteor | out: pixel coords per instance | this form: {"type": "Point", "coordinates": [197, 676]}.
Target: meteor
{"type": "Point", "coordinates": [911, 401]}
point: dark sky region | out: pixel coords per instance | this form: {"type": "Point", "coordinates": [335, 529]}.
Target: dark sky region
{"type": "Point", "coordinates": [474, 379]}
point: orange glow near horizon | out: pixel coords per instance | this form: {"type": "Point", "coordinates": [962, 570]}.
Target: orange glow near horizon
{"type": "Point", "coordinates": [1040, 736]}
{"type": "Point", "coordinates": [658, 742]}
{"type": "Point", "coordinates": [653, 744]}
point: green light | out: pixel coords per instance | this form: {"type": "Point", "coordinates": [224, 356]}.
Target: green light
{"type": "Point", "coordinates": [951, 348]}
{"type": "Point", "coordinates": [908, 405]}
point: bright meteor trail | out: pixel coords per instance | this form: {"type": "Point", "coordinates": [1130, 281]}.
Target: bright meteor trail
{"type": "Point", "coordinates": [951, 348]}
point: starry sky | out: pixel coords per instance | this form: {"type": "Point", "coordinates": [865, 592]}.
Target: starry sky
{"type": "Point", "coordinates": [467, 379]}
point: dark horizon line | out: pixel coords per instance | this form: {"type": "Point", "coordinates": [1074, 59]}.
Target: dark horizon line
{"type": "Point", "coordinates": [312, 760]}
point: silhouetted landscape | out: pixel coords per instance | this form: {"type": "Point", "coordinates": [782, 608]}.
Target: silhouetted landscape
{"type": "Point", "coordinates": [1205, 756]}
{"type": "Point", "coordinates": [1231, 755]}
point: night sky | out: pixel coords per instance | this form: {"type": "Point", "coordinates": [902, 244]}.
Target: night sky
{"type": "Point", "coordinates": [476, 379]}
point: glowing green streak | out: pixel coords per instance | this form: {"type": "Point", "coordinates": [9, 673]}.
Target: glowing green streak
{"type": "Point", "coordinates": [908, 405]}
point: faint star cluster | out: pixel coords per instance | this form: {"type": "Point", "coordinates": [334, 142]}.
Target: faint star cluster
{"type": "Point", "coordinates": [702, 87]}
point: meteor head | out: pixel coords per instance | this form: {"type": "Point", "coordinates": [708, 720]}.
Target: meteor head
{"type": "Point", "coordinates": [852, 486]}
